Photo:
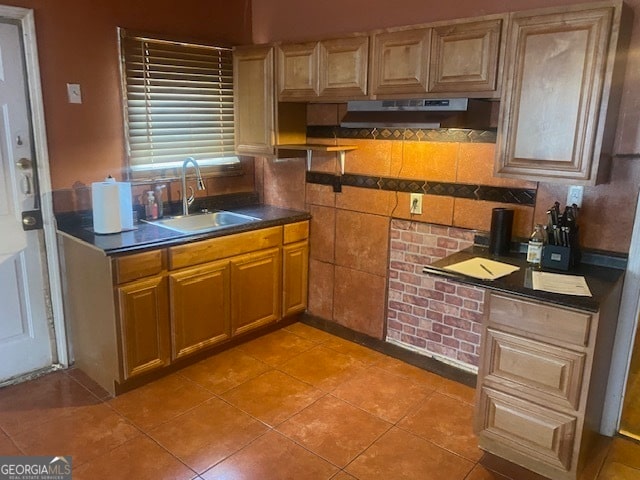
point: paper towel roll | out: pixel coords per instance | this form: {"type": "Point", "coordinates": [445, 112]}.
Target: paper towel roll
{"type": "Point", "coordinates": [105, 199]}
{"type": "Point", "coordinates": [112, 209]}
{"type": "Point", "coordinates": [126, 209]}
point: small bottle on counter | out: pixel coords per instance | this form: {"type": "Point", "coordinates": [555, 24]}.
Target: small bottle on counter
{"type": "Point", "coordinates": [536, 244]}
{"type": "Point", "coordinates": [159, 200]}
{"type": "Point", "coordinates": [151, 207]}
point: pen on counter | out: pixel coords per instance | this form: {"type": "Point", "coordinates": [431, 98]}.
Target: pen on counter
{"type": "Point", "coordinates": [486, 269]}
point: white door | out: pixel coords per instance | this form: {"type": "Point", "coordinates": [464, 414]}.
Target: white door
{"type": "Point", "coordinates": [25, 316]}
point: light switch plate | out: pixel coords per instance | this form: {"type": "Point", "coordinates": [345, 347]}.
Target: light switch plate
{"type": "Point", "coordinates": [73, 93]}
{"type": "Point", "coordinates": [574, 195]}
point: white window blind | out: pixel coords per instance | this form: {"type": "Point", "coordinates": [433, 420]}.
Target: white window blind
{"type": "Point", "coordinates": [178, 104]}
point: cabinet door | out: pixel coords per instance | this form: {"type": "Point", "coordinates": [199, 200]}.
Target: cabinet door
{"type": "Point", "coordinates": [200, 307]}
{"type": "Point", "coordinates": [343, 67]}
{"type": "Point", "coordinates": [254, 107]}
{"type": "Point", "coordinates": [298, 71]}
{"type": "Point", "coordinates": [255, 290]}
{"type": "Point", "coordinates": [295, 272]}
{"type": "Point", "coordinates": [464, 57]}
{"type": "Point", "coordinates": [551, 113]}
{"type": "Point", "coordinates": [400, 62]}
{"type": "Point", "coordinates": [144, 325]}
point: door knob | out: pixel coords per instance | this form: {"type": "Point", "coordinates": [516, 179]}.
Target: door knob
{"type": "Point", "coordinates": [29, 221]}
{"type": "Point", "coordinates": [24, 163]}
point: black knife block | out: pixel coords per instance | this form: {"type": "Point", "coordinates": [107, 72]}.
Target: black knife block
{"type": "Point", "coordinates": [560, 258]}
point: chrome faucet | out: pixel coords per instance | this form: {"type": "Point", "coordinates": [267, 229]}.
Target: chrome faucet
{"type": "Point", "coordinates": [186, 201]}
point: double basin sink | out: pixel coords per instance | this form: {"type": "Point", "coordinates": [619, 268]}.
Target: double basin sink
{"type": "Point", "coordinates": [203, 222]}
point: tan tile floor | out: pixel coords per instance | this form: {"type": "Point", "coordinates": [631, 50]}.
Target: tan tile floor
{"type": "Point", "coordinates": [298, 403]}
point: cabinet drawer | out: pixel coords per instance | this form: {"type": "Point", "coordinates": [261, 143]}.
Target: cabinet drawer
{"type": "Point", "coordinates": [222, 247]}
{"type": "Point", "coordinates": [139, 265]}
{"type": "Point", "coordinates": [553, 323]}
{"type": "Point", "coordinates": [535, 370]}
{"type": "Point", "coordinates": [530, 429]}
{"type": "Point", "coordinates": [294, 232]}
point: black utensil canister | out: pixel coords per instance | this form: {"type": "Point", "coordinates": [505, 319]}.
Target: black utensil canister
{"type": "Point", "coordinates": [500, 235]}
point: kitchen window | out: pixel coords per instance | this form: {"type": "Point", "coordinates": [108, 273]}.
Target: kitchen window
{"type": "Point", "coordinates": [178, 103]}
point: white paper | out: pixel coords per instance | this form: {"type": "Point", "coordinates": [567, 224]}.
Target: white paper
{"type": "Point", "coordinates": [560, 283]}
{"type": "Point", "coordinates": [482, 268]}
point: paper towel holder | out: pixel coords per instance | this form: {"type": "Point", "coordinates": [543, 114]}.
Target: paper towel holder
{"type": "Point", "coordinates": [501, 226]}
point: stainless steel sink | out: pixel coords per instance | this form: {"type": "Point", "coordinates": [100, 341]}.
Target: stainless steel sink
{"type": "Point", "coordinates": [203, 222]}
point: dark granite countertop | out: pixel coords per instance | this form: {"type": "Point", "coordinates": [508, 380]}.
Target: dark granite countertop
{"type": "Point", "coordinates": [147, 236]}
{"type": "Point", "coordinates": [601, 279]}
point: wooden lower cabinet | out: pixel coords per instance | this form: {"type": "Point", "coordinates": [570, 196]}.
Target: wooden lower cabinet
{"type": "Point", "coordinates": [132, 316]}
{"type": "Point", "coordinates": [144, 325]}
{"type": "Point", "coordinates": [255, 290]}
{"type": "Point", "coordinates": [295, 273]}
{"type": "Point", "coordinates": [200, 307]}
{"type": "Point", "coordinates": [543, 372]}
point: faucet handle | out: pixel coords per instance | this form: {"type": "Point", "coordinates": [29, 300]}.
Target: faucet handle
{"type": "Point", "coordinates": [192, 196]}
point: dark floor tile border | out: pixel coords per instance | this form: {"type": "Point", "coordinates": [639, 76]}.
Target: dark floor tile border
{"type": "Point", "coordinates": [519, 196]}
{"type": "Point", "coordinates": [458, 135]}
{"type": "Point", "coordinates": [412, 358]}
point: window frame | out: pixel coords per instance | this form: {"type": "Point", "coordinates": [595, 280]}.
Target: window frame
{"type": "Point", "coordinates": [226, 166]}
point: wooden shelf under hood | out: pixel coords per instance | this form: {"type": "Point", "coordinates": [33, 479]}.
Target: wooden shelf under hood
{"type": "Point", "coordinates": [315, 147]}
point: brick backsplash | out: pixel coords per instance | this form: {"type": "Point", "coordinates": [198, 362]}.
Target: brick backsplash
{"type": "Point", "coordinates": [428, 314]}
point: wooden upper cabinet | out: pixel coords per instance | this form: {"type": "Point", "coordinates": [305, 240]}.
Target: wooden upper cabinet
{"type": "Point", "coordinates": [400, 62]}
{"type": "Point", "coordinates": [323, 70]}
{"type": "Point", "coordinates": [298, 71]}
{"type": "Point", "coordinates": [343, 68]}
{"type": "Point", "coordinates": [558, 83]}
{"type": "Point", "coordinates": [464, 57]}
{"type": "Point", "coordinates": [254, 100]}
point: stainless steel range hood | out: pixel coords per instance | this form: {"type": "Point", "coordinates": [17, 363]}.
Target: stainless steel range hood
{"type": "Point", "coordinates": [412, 113]}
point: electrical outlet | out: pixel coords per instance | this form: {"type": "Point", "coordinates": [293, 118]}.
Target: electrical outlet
{"type": "Point", "coordinates": [574, 195]}
{"type": "Point", "coordinates": [415, 204]}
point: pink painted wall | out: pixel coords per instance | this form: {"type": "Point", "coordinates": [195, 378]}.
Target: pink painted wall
{"type": "Point", "coordinates": [77, 43]}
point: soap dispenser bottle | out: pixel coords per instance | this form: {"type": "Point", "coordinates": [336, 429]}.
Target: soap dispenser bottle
{"type": "Point", "coordinates": [159, 200]}
{"type": "Point", "coordinates": [151, 207]}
